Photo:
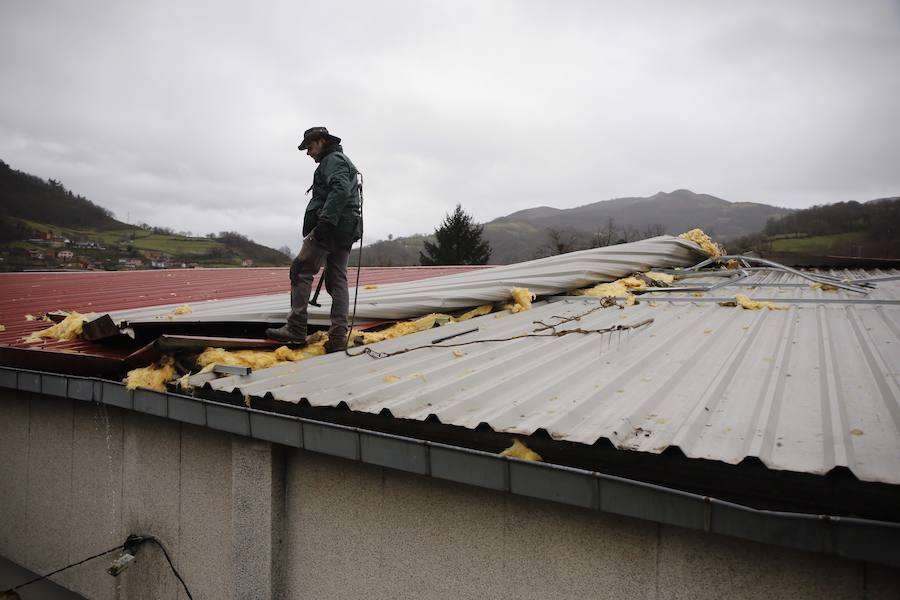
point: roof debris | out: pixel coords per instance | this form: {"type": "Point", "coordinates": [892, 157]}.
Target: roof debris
{"type": "Point", "coordinates": [623, 288]}
{"type": "Point", "coordinates": [520, 450]}
{"type": "Point", "coordinates": [67, 329]}
{"type": "Point", "coordinates": [475, 312]}
{"type": "Point", "coordinates": [398, 329]}
{"type": "Point", "coordinates": [824, 287]}
{"type": "Point", "coordinates": [153, 377]}
{"type": "Point", "coordinates": [704, 241]}
{"type": "Point", "coordinates": [522, 299]}
{"type": "Point", "coordinates": [750, 304]}
{"type": "Point", "coordinates": [259, 359]}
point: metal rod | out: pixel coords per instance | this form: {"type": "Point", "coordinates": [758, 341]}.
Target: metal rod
{"type": "Point", "coordinates": [453, 335]}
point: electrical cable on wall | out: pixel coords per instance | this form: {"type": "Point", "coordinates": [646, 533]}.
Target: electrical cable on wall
{"type": "Point", "coordinates": [128, 548]}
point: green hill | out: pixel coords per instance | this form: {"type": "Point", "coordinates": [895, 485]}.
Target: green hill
{"type": "Point", "coordinates": [845, 229]}
{"type": "Point", "coordinates": [41, 222]}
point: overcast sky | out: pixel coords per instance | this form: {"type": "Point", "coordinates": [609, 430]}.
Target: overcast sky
{"type": "Point", "coordinates": [187, 114]}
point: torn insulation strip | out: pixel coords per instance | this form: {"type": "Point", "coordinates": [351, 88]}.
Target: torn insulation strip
{"type": "Point", "coordinates": [522, 299]}
{"type": "Point", "coordinates": [824, 287]}
{"type": "Point", "coordinates": [750, 304]}
{"type": "Point", "coordinates": [475, 312]}
{"type": "Point", "coordinates": [399, 329]}
{"type": "Point", "coordinates": [258, 359]}
{"type": "Point", "coordinates": [704, 241]}
{"type": "Point", "coordinates": [520, 450]}
{"type": "Point", "coordinates": [67, 329]}
{"type": "Point", "coordinates": [153, 377]}
{"type": "Point", "coordinates": [623, 288]}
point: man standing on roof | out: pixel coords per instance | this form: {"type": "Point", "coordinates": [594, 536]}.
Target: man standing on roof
{"type": "Point", "coordinates": [331, 225]}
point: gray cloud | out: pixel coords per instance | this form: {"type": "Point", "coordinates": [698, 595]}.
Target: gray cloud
{"type": "Point", "coordinates": [187, 114]}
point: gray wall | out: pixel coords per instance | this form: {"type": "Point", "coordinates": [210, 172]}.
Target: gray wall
{"type": "Point", "coordinates": [245, 519]}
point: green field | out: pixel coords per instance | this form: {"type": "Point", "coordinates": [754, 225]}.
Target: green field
{"type": "Point", "coordinates": [839, 243]}
{"type": "Point", "coordinates": [135, 242]}
{"type": "Point", "coordinates": [170, 244]}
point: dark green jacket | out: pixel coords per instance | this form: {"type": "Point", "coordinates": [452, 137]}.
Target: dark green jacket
{"type": "Point", "coordinates": [335, 198]}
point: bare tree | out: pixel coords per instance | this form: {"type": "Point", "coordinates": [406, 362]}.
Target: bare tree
{"type": "Point", "coordinates": [558, 242]}
{"type": "Point", "coordinates": [606, 235]}
{"type": "Point", "coordinates": [653, 231]}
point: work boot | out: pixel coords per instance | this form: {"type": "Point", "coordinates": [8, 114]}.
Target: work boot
{"type": "Point", "coordinates": [288, 335]}
{"type": "Point", "coordinates": [335, 343]}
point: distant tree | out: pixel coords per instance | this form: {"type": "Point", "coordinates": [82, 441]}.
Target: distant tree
{"type": "Point", "coordinates": [457, 242]}
{"type": "Point", "coordinates": [653, 231]}
{"type": "Point", "coordinates": [562, 241]}
{"type": "Point", "coordinates": [605, 236]}
{"type": "Point", "coordinates": [286, 251]}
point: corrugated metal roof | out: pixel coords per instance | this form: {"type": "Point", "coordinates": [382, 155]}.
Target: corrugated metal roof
{"type": "Point", "coordinates": [99, 292]}
{"type": "Point", "coordinates": [804, 389]}
{"type": "Point", "coordinates": [545, 276]}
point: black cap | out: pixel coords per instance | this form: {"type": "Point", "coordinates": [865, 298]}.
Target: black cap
{"type": "Point", "coordinates": [314, 133]}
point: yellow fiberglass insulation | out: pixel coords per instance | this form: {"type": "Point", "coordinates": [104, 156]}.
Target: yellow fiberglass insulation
{"type": "Point", "coordinates": [67, 329]}
{"type": "Point", "coordinates": [704, 241]}
{"type": "Point", "coordinates": [475, 312]}
{"type": "Point", "coordinates": [615, 289]}
{"type": "Point", "coordinates": [184, 383]}
{"type": "Point", "coordinates": [750, 304]}
{"type": "Point", "coordinates": [258, 359]}
{"type": "Point", "coordinates": [520, 450]}
{"type": "Point", "coordinates": [153, 377]}
{"type": "Point", "coordinates": [824, 287]}
{"type": "Point", "coordinates": [623, 288]}
{"type": "Point", "coordinates": [661, 277]}
{"type": "Point", "coordinates": [522, 298]}
{"type": "Point", "coordinates": [399, 329]}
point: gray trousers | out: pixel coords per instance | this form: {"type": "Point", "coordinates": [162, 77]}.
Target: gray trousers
{"type": "Point", "coordinates": [303, 269]}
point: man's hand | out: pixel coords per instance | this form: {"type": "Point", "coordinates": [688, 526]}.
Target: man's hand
{"type": "Point", "coordinates": [324, 233]}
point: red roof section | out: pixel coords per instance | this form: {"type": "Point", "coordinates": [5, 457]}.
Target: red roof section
{"type": "Point", "coordinates": [35, 294]}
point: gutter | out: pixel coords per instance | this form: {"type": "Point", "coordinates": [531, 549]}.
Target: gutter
{"type": "Point", "coordinates": [857, 539]}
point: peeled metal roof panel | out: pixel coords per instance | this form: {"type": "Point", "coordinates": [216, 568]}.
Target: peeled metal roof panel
{"type": "Point", "coordinates": [101, 291]}
{"type": "Point", "coordinates": [805, 389]}
{"type": "Point", "coordinates": [545, 276]}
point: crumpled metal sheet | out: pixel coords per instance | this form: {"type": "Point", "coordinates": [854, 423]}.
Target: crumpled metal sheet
{"type": "Point", "coordinates": [546, 276]}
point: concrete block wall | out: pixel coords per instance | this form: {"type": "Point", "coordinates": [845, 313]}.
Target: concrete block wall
{"type": "Point", "coordinates": [79, 477]}
{"type": "Point", "coordinates": [361, 532]}
{"type": "Point", "coordinates": [247, 519]}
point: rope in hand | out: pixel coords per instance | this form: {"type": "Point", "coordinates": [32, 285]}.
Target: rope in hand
{"type": "Point", "coordinates": [358, 269]}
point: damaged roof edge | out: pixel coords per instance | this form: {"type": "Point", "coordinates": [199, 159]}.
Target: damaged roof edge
{"type": "Point", "coordinates": [408, 300]}
{"type": "Point", "coordinates": [857, 539]}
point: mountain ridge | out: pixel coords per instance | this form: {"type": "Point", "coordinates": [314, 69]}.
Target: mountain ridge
{"type": "Point", "coordinates": [46, 226]}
